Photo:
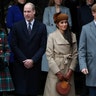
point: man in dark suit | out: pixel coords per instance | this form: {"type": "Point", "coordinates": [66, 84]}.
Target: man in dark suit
{"type": "Point", "coordinates": [28, 45]}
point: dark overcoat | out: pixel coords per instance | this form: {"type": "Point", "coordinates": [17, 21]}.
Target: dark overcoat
{"type": "Point", "coordinates": [27, 46]}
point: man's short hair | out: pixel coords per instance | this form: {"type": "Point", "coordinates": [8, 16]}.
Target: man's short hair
{"type": "Point", "coordinates": [93, 8]}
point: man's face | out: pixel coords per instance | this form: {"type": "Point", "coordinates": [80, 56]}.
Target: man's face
{"type": "Point", "coordinates": [29, 13]}
{"type": "Point", "coordinates": [94, 15]}
{"type": "Point", "coordinates": [89, 2]}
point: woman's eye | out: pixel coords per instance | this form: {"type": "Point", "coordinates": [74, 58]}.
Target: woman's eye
{"type": "Point", "coordinates": [62, 22]}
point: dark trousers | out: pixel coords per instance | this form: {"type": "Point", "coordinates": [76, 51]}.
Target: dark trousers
{"type": "Point", "coordinates": [92, 91]}
{"type": "Point", "coordinates": [1, 93]}
{"type": "Point", "coordinates": [80, 86]}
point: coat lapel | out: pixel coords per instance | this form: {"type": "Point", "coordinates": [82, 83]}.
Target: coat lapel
{"type": "Point", "coordinates": [34, 29]}
{"type": "Point", "coordinates": [25, 29]}
{"type": "Point", "coordinates": [60, 39]}
{"type": "Point", "coordinates": [52, 10]}
{"type": "Point", "coordinates": [93, 28]}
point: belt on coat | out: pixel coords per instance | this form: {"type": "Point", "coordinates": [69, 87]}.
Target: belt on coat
{"type": "Point", "coordinates": [65, 59]}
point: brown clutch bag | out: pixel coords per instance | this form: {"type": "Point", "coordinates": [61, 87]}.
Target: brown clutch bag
{"type": "Point", "coordinates": [63, 87]}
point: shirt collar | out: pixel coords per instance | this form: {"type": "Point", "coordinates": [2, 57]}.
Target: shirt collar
{"type": "Point", "coordinates": [30, 22]}
{"type": "Point", "coordinates": [95, 22]}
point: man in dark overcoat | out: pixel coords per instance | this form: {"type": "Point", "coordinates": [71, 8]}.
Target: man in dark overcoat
{"type": "Point", "coordinates": [28, 45]}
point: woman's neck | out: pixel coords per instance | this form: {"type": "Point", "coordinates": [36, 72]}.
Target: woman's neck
{"type": "Point", "coordinates": [57, 8]}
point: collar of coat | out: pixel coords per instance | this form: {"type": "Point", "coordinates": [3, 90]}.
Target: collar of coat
{"type": "Point", "coordinates": [60, 38]}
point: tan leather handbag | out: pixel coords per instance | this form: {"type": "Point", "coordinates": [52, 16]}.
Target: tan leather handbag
{"type": "Point", "coordinates": [63, 87]}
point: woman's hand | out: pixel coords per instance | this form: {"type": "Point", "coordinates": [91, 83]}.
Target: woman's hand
{"type": "Point", "coordinates": [60, 76]}
{"type": "Point", "coordinates": [68, 74]}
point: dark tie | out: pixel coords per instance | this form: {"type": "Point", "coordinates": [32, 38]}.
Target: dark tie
{"type": "Point", "coordinates": [29, 28]}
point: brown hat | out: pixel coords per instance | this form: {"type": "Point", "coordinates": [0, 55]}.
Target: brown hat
{"type": "Point", "coordinates": [60, 16]}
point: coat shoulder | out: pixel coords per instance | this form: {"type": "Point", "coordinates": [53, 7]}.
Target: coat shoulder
{"type": "Point", "coordinates": [87, 25]}
{"type": "Point", "coordinates": [63, 7]}
{"type": "Point", "coordinates": [19, 23]}
{"type": "Point", "coordinates": [53, 34]}
{"type": "Point", "coordinates": [39, 24]}
{"type": "Point", "coordinates": [48, 8]}
{"type": "Point", "coordinates": [74, 37]}
{"type": "Point", "coordinates": [12, 8]}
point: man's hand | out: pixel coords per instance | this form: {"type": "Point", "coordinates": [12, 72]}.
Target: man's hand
{"type": "Point", "coordinates": [84, 71]}
{"type": "Point", "coordinates": [28, 63]}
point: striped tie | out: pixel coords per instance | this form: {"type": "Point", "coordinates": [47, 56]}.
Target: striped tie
{"type": "Point", "coordinates": [29, 28]}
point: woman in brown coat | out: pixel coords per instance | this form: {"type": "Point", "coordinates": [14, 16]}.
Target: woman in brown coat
{"type": "Point", "coordinates": [61, 55]}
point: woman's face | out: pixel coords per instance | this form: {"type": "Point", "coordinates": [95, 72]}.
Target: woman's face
{"type": "Point", "coordinates": [21, 1]}
{"type": "Point", "coordinates": [62, 25]}
{"type": "Point", "coordinates": [58, 2]}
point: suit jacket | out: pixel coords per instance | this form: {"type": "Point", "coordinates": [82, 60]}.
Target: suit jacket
{"type": "Point", "coordinates": [87, 52]}
{"type": "Point", "coordinates": [26, 46]}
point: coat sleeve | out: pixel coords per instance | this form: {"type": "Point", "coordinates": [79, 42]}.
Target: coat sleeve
{"type": "Point", "coordinates": [50, 55]}
{"type": "Point", "coordinates": [82, 49]}
{"type": "Point", "coordinates": [46, 20]}
{"type": "Point", "coordinates": [14, 46]}
{"type": "Point", "coordinates": [74, 53]}
{"type": "Point", "coordinates": [9, 18]}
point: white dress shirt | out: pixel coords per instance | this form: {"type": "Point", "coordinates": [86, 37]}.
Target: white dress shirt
{"type": "Point", "coordinates": [32, 22]}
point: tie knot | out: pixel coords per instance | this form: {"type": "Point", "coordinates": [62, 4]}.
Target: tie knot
{"type": "Point", "coordinates": [29, 23]}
